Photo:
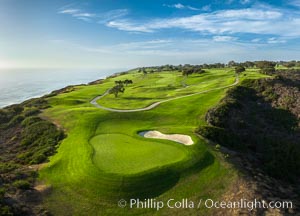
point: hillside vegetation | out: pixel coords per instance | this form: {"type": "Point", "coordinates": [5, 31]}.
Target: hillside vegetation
{"type": "Point", "coordinates": [262, 116]}
{"type": "Point", "coordinates": [26, 140]}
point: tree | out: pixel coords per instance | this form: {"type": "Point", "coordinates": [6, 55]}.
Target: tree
{"type": "Point", "coordinates": [290, 64]}
{"type": "Point", "coordinates": [199, 70]}
{"type": "Point", "coordinates": [117, 89]}
{"type": "Point", "coordinates": [127, 81]}
{"type": "Point", "coordinates": [248, 64]}
{"type": "Point", "coordinates": [239, 69]}
{"type": "Point", "coordinates": [232, 63]}
{"type": "Point", "coordinates": [144, 72]}
{"type": "Point", "coordinates": [118, 82]}
{"type": "Point", "coordinates": [187, 71]}
{"type": "Point", "coordinates": [266, 67]}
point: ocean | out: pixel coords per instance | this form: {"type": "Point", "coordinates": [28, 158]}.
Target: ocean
{"type": "Point", "coordinates": [17, 85]}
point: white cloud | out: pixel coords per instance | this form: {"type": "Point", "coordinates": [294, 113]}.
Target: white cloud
{"type": "Point", "coordinates": [178, 6]}
{"type": "Point", "coordinates": [126, 25]}
{"type": "Point", "coordinates": [250, 14]}
{"type": "Point", "coordinates": [251, 20]}
{"type": "Point", "coordinates": [177, 51]}
{"type": "Point", "coordinates": [84, 19]}
{"type": "Point", "coordinates": [274, 40]}
{"type": "Point", "coordinates": [206, 8]}
{"type": "Point", "coordinates": [103, 17]}
{"type": "Point", "coordinates": [256, 40]}
{"type": "Point", "coordinates": [111, 15]}
{"type": "Point", "coordinates": [78, 14]}
{"type": "Point", "coordinates": [84, 15]}
{"type": "Point", "coordinates": [245, 1]}
{"type": "Point", "coordinates": [224, 38]}
{"type": "Point", "coordinates": [181, 6]}
{"type": "Point", "coordinates": [159, 51]}
{"type": "Point", "coordinates": [69, 11]}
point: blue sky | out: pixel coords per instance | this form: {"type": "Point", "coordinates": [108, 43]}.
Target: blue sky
{"type": "Point", "coordinates": [125, 34]}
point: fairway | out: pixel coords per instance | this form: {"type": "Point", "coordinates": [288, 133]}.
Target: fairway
{"type": "Point", "coordinates": [104, 148]}
{"type": "Point", "coordinates": [158, 86]}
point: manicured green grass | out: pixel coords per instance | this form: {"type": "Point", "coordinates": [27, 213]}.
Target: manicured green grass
{"type": "Point", "coordinates": [103, 158]}
{"type": "Point", "coordinates": [157, 86]}
{"type": "Point", "coordinates": [123, 154]}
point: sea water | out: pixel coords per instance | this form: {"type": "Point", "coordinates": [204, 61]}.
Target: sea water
{"type": "Point", "coordinates": [17, 85]}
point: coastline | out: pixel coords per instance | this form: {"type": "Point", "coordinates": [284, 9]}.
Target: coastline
{"type": "Point", "coordinates": [22, 98]}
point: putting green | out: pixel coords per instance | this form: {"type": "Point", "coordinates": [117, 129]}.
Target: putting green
{"type": "Point", "coordinates": [122, 154]}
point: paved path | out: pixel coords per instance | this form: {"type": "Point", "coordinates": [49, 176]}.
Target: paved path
{"type": "Point", "coordinates": [94, 101]}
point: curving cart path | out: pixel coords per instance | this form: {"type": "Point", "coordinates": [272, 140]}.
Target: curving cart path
{"type": "Point", "coordinates": [94, 101]}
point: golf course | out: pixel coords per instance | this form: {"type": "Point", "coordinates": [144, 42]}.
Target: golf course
{"type": "Point", "coordinates": [106, 157]}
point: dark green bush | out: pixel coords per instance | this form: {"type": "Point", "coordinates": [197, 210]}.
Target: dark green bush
{"type": "Point", "coordinates": [268, 71]}
{"type": "Point", "coordinates": [38, 158]}
{"type": "Point", "coordinates": [40, 133]}
{"type": "Point", "coordinates": [31, 140]}
{"type": "Point", "coordinates": [22, 184]}
{"type": "Point", "coordinates": [2, 193]}
{"type": "Point", "coordinates": [16, 109]}
{"type": "Point", "coordinates": [5, 211]}
{"type": "Point", "coordinates": [221, 136]}
{"type": "Point", "coordinates": [30, 120]}
{"type": "Point", "coordinates": [41, 138]}
{"type": "Point", "coordinates": [7, 167]}
{"type": "Point", "coordinates": [31, 112]}
{"type": "Point", "coordinates": [4, 116]}
{"type": "Point", "coordinates": [25, 157]}
{"type": "Point", "coordinates": [39, 103]}
{"type": "Point", "coordinates": [15, 120]}
{"type": "Point", "coordinates": [246, 119]}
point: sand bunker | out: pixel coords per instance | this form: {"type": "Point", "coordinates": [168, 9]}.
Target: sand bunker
{"type": "Point", "coordinates": [184, 139]}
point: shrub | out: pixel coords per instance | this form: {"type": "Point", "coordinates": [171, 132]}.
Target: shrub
{"type": "Point", "coordinates": [22, 184]}
{"type": "Point", "coordinates": [268, 71]}
{"type": "Point", "coordinates": [16, 109]}
{"type": "Point", "coordinates": [7, 167]}
{"type": "Point", "coordinates": [25, 157]}
{"type": "Point", "coordinates": [218, 147]}
{"type": "Point", "coordinates": [31, 112]}
{"type": "Point", "coordinates": [15, 120]}
{"type": "Point", "coordinates": [40, 139]}
{"type": "Point", "coordinates": [39, 103]}
{"type": "Point", "coordinates": [247, 119]}
{"type": "Point", "coordinates": [2, 193]}
{"type": "Point", "coordinates": [30, 120]}
{"type": "Point", "coordinates": [220, 135]}
{"type": "Point", "coordinates": [4, 117]}
{"type": "Point", "coordinates": [239, 69]}
{"type": "Point", "coordinates": [5, 211]}
{"type": "Point", "coordinates": [38, 158]}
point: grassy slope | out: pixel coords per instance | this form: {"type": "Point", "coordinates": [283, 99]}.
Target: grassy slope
{"type": "Point", "coordinates": [80, 183]}
{"type": "Point", "coordinates": [157, 86]}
